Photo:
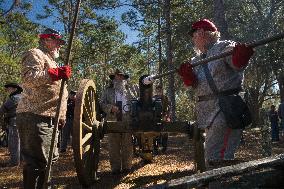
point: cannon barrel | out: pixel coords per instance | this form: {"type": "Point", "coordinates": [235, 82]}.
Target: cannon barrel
{"type": "Point", "coordinates": [225, 54]}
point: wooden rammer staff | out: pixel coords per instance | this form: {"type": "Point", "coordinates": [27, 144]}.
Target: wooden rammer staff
{"type": "Point", "coordinates": [150, 79]}
{"type": "Point", "coordinates": [58, 109]}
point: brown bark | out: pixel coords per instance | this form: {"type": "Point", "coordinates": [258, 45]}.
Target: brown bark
{"type": "Point", "coordinates": [169, 53]}
{"type": "Point", "coordinates": [160, 44]}
{"type": "Point", "coordinates": [281, 86]}
{"type": "Point", "coordinates": [220, 19]}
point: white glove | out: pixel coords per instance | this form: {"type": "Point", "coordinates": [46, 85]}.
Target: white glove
{"type": "Point", "coordinates": [148, 80]}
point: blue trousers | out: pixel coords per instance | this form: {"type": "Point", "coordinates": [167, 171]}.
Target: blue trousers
{"type": "Point", "coordinates": [14, 145]}
{"type": "Point", "coordinates": [274, 131]}
{"type": "Point", "coordinates": [67, 131]}
{"type": "Point", "coordinates": [282, 125]}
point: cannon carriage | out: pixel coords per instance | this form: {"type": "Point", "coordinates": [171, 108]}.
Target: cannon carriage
{"type": "Point", "coordinates": [88, 129]}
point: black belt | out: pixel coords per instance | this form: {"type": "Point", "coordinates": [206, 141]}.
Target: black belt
{"type": "Point", "coordinates": [222, 93]}
{"type": "Point", "coordinates": [10, 117]}
{"type": "Point", "coordinates": [37, 118]}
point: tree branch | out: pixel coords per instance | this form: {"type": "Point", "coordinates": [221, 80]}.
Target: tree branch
{"type": "Point", "coordinates": [16, 3]}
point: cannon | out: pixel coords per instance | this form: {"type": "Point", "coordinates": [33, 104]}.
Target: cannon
{"type": "Point", "coordinates": [150, 111]}
{"type": "Point", "coordinates": [88, 129]}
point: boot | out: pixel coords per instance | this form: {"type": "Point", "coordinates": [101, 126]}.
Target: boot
{"type": "Point", "coordinates": [30, 177]}
{"type": "Point", "coordinates": [164, 142]}
{"type": "Point", "coordinates": [40, 180]}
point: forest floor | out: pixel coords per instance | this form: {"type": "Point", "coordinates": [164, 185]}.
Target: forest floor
{"type": "Point", "coordinates": [176, 162]}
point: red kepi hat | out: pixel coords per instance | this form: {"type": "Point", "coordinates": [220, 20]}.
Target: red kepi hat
{"type": "Point", "coordinates": [205, 24]}
{"type": "Point", "coordinates": [53, 34]}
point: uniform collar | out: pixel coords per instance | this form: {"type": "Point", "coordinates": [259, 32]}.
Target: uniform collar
{"type": "Point", "coordinates": [208, 47]}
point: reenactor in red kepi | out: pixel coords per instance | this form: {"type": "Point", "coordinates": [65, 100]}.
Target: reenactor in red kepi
{"type": "Point", "coordinates": [8, 108]}
{"type": "Point", "coordinates": [214, 82]}
{"type": "Point", "coordinates": [41, 81]}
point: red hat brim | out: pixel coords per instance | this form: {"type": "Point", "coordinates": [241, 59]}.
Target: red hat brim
{"type": "Point", "coordinates": [53, 36]}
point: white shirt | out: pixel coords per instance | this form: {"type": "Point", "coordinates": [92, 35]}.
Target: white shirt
{"type": "Point", "coordinates": [121, 97]}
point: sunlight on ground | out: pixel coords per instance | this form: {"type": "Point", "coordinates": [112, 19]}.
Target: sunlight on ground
{"type": "Point", "coordinates": [175, 163]}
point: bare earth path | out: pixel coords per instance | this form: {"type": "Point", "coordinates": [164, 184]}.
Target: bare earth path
{"type": "Point", "coordinates": [176, 162]}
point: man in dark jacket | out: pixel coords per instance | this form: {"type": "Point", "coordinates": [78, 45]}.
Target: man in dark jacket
{"type": "Point", "coordinates": [273, 116]}
{"type": "Point", "coordinates": [9, 111]}
{"type": "Point", "coordinates": [67, 129]}
{"type": "Point", "coordinates": [281, 116]}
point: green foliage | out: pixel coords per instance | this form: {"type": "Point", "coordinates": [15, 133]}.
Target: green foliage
{"type": "Point", "coordinates": [99, 44]}
{"type": "Point", "coordinates": [185, 108]}
{"type": "Point", "coordinates": [247, 21]}
{"type": "Point", "coordinates": [17, 35]}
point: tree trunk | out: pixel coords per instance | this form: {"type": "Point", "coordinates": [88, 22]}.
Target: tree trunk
{"type": "Point", "coordinates": [261, 173]}
{"type": "Point", "coordinates": [220, 19]}
{"type": "Point", "coordinates": [281, 86]}
{"type": "Point", "coordinates": [169, 53]}
{"type": "Point", "coordinates": [148, 54]}
{"type": "Point", "coordinates": [253, 96]}
{"type": "Point", "coordinates": [160, 44]}
{"type": "Point", "coordinates": [105, 79]}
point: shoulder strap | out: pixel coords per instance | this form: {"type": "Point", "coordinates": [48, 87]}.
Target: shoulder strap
{"type": "Point", "coordinates": [209, 77]}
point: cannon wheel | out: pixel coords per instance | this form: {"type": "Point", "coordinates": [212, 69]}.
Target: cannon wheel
{"type": "Point", "coordinates": [86, 142]}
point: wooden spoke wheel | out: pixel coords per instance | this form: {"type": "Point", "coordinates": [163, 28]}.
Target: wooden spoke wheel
{"type": "Point", "coordinates": [86, 141]}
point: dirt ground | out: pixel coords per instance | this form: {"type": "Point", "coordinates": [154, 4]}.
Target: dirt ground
{"type": "Point", "coordinates": [176, 162]}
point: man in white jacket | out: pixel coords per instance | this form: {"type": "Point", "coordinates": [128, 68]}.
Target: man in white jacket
{"type": "Point", "coordinates": [114, 102]}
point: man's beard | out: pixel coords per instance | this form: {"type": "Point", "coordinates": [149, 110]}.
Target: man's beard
{"type": "Point", "coordinates": [55, 53]}
{"type": "Point", "coordinates": [118, 85]}
{"type": "Point", "coordinates": [197, 51]}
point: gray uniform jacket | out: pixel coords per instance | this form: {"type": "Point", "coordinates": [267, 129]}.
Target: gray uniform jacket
{"type": "Point", "coordinates": [225, 76]}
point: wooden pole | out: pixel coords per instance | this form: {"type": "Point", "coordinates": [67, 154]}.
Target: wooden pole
{"type": "Point", "coordinates": [63, 82]}
{"type": "Point", "coordinates": [198, 141]}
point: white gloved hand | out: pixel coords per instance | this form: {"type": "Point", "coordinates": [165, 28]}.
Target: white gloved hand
{"type": "Point", "coordinates": [148, 80]}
